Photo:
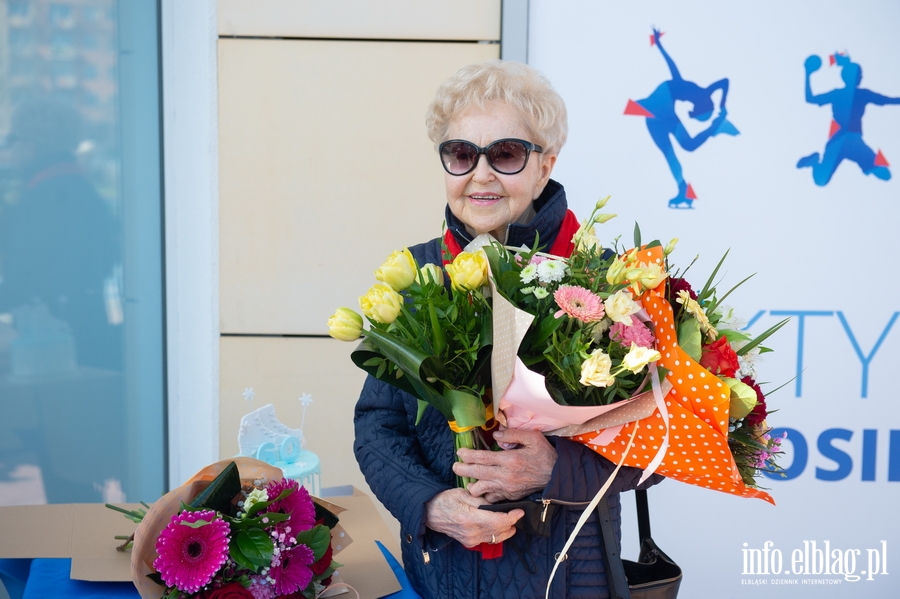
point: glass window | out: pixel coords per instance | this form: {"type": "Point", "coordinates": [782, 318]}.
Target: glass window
{"type": "Point", "coordinates": [81, 294]}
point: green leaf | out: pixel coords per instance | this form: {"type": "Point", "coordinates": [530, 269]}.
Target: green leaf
{"type": "Point", "coordinates": [718, 302]}
{"type": "Point", "coordinates": [252, 549]}
{"type": "Point", "coordinates": [733, 336]}
{"type": "Point", "coordinates": [421, 405]}
{"type": "Point", "coordinates": [743, 398]}
{"type": "Point", "coordinates": [689, 338]}
{"type": "Point", "coordinates": [467, 409]}
{"type": "Point", "coordinates": [637, 235]}
{"type": "Point", "coordinates": [437, 332]}
{"type": "Point", "coordinates": [257, 522]}
{"type": "Point", "coordinates": [548, 325]}
{"type": "Point", "coordinates": [709, 282]}
{"type": "Point", "coordinates": [316, 538]}
{"type": "Point", "coordinates": [220, 492]}
{"type": "Point", "coordinates": [762, 337]}
{"type": "Point", "coordinates": [197, 524]}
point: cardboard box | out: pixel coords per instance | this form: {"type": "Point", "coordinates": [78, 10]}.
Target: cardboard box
{"type": "Point", "coordinates": [86, 533]}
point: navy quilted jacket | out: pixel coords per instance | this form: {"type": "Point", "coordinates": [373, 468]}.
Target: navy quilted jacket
{"type": "Point", "coordinates": [406, 465]}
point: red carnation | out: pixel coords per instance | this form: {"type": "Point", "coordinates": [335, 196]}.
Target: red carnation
{"type": "Point", "coordinates": [676, 285]}
{"type": "Point", "coordinates": [760, 411]}
{"type": "Point", "coordinates": [719, 358]}
{"type": "Point", "coordinates": [232, 590]}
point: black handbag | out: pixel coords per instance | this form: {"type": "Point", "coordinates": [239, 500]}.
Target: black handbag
{"type": "Point", "coordinates": [653, 576]}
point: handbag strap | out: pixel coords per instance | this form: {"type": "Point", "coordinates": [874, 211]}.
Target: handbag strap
{"type": "Point", "coordinates": [643, 514]}
{"type": "Point", "coordinates": [616, 579]}
{"type": "Point", "coordinates": [615, 570]}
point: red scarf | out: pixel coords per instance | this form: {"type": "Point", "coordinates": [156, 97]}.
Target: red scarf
{"type": "Point", "coordinates": [562, 247]}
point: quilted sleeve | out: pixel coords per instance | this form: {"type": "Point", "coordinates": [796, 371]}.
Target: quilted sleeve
{"type": "Point", "coordinates": [391, 457]}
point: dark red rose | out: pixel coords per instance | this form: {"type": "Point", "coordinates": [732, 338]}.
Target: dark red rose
{"type": "Point", "coordinates": [759, 412]}
{"type": "Point", "coordinates": [676, 285]}
{"type": "Point", "coordinates": [320, 566]}
{"type": "Point", "coordinates": [232, 590]}
{"type": "Point", "coordinates": [719, 358]}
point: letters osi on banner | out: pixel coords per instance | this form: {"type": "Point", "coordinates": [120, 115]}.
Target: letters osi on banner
{"type": "Point", "coordinates": [824, 442]}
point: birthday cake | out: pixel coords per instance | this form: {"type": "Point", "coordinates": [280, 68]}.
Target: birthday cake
{"type": "Point", "coordinates": [264, 437]}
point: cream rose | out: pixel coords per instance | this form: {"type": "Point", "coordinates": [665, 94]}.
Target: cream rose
{"type": "Point", "coordinates": [595, 370]}
{"type": "Point", "coordinates": [620, 306]}
{"type": "Point", "coordinates": [638, 357]}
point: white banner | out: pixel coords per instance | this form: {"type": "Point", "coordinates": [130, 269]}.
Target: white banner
{"type": "Point", "coordinates": [797, 183]}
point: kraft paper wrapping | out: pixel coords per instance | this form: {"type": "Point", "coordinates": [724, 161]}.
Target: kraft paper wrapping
{"type": "Point", "coordinates": [160, 514]}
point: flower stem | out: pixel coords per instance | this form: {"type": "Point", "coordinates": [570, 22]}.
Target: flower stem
{"type": "Point", "coordinates": [467, 440]}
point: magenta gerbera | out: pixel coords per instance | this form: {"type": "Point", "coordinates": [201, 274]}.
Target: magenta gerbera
{"type": "Point", "coordinates": [298, 504]}
{"type": "Point", "coordinates": [292, 573]}
{"type": "Point", "coordinates": [189, 557]}
{"type": "Point", "coordinates": [579, 303]}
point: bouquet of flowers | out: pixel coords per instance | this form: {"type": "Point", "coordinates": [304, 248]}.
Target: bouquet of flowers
{"type": "Point", "coordinates": [427, 339]}
{"type": "Point", "coordinates": [601, 346]}
{"type": "Point", "coordinates": [611, 327]}
{"type": "Point", "coordinates": [245, 534]}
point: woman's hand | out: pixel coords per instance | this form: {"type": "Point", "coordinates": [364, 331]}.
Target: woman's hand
{"type": "Point", "coordinates": [455, 513]}
{"type": "Point", "coordinates": [511, 474]}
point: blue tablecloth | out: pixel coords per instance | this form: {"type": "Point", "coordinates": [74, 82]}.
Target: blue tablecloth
{"type": "Point", "coordinates": [44, 578]}
{"type": "Point", "coordinates": [50, 578]}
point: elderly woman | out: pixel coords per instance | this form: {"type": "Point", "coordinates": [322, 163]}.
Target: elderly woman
{"type": "Point", "coordinates": [498, 127]}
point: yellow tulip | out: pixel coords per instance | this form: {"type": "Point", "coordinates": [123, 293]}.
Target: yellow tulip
{"type": "Point", "coordinates": [381, 303]}
{"type": "Point", "coordinates": [345, 325]}
{"type": "Point", "coordinates": [430, 273]}
{"type": "Point", "coordinates": [468, 270]}
{"type": "Point", "coordinates": [398, 271]}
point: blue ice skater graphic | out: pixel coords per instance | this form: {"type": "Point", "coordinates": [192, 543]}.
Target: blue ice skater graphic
{"type": "Point", "coordinates": [663, 122]}
{"type": "Point", "coordinates": [845, 140]}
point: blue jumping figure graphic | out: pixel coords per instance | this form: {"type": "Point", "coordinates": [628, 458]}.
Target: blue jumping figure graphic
{"type": "Point", "coordinates": [845, 140]}
{"type": "Point", "coordinates": [663, 122]}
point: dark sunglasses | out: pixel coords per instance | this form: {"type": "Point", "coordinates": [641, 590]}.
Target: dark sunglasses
{"type": "Point", "coordinates": [506, 156]}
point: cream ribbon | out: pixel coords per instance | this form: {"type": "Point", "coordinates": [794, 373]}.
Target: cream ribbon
{"type": "Point", "coordinates": [589, 510]}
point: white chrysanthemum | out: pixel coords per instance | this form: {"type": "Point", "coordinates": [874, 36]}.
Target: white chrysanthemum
{"type": "Point", "coordinates": [540, 292]}
{"type": "Point", "coordinates": [529, 273]}
{"type": "Point", "coordinates": [551, 271]}
{"type": "Point", "coordinates": [526, 290]}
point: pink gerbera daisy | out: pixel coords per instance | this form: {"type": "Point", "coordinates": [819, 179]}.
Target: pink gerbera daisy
{"type": "Point", "coordinates": [189, 557]}
{"type": "Point", "coordinates": [637, 333]}
{"type": "Point", "coordinates": [579, 303]}
{"type": "Point", "coordinates": [292, 573]}
{"type": "Point", "coordinates": [298, 504]}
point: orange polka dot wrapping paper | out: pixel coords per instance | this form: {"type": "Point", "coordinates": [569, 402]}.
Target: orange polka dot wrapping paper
{"type": "Point", "coordinates": [698, 406]}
